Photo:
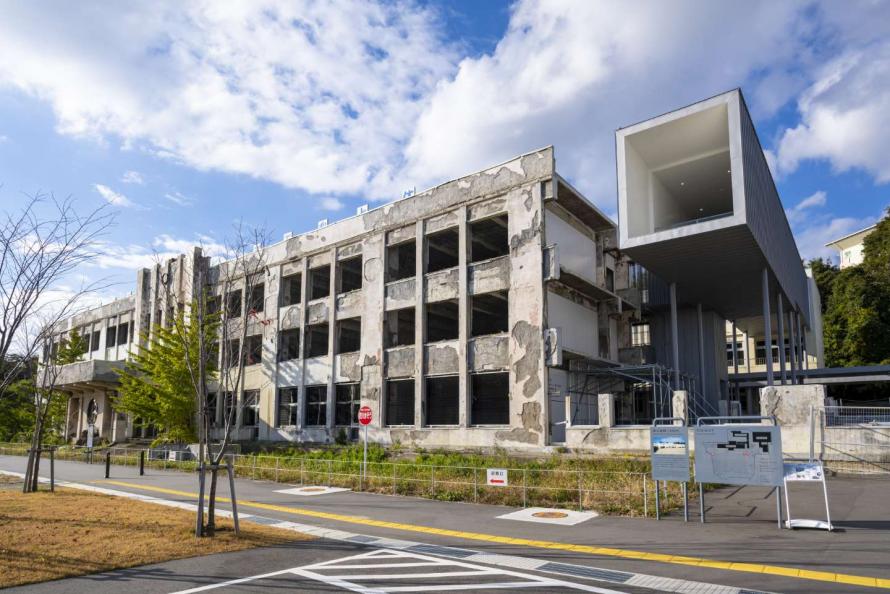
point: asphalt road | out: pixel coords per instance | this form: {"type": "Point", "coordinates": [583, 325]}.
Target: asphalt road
{"type": "Point", "coordinates": [741, 530]}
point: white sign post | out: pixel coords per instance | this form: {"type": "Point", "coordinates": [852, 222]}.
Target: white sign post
{"type": "Point", "coordinates": [497, 477]}
{"type": "Point", "coordinates": [364, 417]}
{"type": "Point", "coordinates": [810, 472]}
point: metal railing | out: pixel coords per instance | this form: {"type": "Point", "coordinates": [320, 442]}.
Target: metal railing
{"type": "Point", "coordinates": [851, 416]}
{"type": "Point", "coordinates": [607, 492]}
{"type": "Point", "coordinates": [852, 439]}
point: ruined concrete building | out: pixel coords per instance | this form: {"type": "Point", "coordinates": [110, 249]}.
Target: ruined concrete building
{"type": "Point", "coordinates": [449, 313]}
{"type": "Point", "coordinates": [503, 308]}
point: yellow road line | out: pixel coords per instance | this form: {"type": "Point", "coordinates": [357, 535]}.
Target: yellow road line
{"type": "Point", "coordinates": [821, 576]}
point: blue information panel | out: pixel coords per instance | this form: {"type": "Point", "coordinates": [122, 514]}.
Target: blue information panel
{"type": "Point", "coordinates": [670, 453]}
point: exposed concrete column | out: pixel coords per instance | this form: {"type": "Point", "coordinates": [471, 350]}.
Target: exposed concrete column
{"type": "Point", "coordinates": [735, 361]}
{"type": "Point", "coordinates": [767, 328]}
{"type": "Point", "coordinates": [332, 342]}
{"type": "Point", "coordinates": [675, 345]}
{"type": "Point", "coordinates": [463, 316]}
{"type": "Point", "coordinates": [701, 350]}
{"type": "Point", "coordinates": [568, 404]}
{"type": "Point", "coordinates": [606, 406]}
{"type": "Point", "coordinates": [680, 404]}
{"type": "Point", "coordinates": [304, 298]}
{"type": "Point", "coordinates": [801, 344]}
{"type": "Point", "coordinates": [780, 318]}
{"type": "Point", "coordinates": [419, 325]}
{"type": "Point", "coordinates": [792, 343]}
{"type": "Point", "coordinates": [68, 418]}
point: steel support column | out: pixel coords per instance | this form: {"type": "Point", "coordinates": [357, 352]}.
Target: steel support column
{"type": "Point", "coordinates": [735, 362]}
{"type": "Point", "coordinates": [780, 318]}
{"type": "Point", "coordinates": [792, 343]}
{"type": "Point", "coordinates": [701, 349]}
{"type": "Point", "coordinates": [767, 328]}
{"type": "Point", "coordinates": [675, 345]}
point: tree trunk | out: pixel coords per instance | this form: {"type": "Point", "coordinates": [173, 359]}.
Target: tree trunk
{"type": "Point", "coordinates": [211, 504]}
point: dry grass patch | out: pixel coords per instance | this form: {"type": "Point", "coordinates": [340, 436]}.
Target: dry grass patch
{"type": "Point", "coordinates": [46, 536]}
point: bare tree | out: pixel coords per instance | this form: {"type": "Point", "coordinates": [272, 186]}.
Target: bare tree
{"type": "Point", "coordinates": [41, 330]}
{"type": "Point", "coordinates": [39, 246]}
{"type": "Point", "coordinates": [245, 266]}
{"type": "Point", "coordinates": [227, 325]}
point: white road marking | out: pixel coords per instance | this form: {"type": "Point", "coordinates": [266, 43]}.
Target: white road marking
{"type": "Point", "coordinates": [451, 569]}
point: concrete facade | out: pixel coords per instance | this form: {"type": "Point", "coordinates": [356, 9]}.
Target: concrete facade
{"type": "Point", "coordinates": [503, 309]}
{"type": "Point", "coordinates": [445, 312]}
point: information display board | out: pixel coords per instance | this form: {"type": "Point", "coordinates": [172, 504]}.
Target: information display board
{"type": "Point", "coordinates": [736, 454]}
{"type": "Point", "coordinates": [669, 449]}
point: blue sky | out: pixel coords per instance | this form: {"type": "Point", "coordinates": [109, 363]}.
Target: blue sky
{"type": "Point", "coordinates": [188, 117]}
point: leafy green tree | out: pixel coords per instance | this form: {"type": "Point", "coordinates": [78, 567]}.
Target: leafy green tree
{"type": "Point", "coordinates": [876, 252]}
{"type": "Point", "coordinates": [856, 304]}
{"type": "Point", "coordinates": [824, 273]}
{"type": "Point", "coordinates": [156, 383]}
{"type": "Point", "coordinates": [73, 349]}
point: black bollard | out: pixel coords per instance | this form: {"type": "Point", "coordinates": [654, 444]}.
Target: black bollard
{"type": "Point", "coordinates": [52, 469]}
{"type": "Point", "coordinates": [107, 464]}
{"type": "Point", "coordinates": [141, 462]}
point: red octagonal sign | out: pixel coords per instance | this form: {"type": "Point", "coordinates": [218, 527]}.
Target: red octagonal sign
{"type": "Point", "coordinates": [364, 415]}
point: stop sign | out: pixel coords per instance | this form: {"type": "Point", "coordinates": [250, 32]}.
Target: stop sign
{"type": "Point", "coordinates": [364, 415]}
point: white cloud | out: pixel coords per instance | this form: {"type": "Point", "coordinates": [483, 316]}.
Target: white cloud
{"type": "Point", "coordinates": [569, 74]}
{"type": "Point", "coordinates": [319, 96]}
{"type": "Point", "coordinates": [132, 257]}
{"type": "Point", "coordinates": [331, 204]}
{"type": "Point", "coordinates": [799, 212]}
{"type": "Point", "coordinates": [845, 115]}
{"type": "Point", "coordinates": [132, 177]}
{"type": "Point", "coordinates": [3, 138]}
{"type": "Point", "coordinates": [112, 197]}
{"type": "Point", "coordinates": [179, 198]}
{"type": "Point", "coordinates": [363, 97]}
{"type": "Point", "coordinates": [815, 199]}
{"type": "Point", "coordinates": [812, 239]}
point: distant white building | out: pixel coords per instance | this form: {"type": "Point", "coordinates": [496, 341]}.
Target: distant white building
{"type": "Point", "coordinates": [851, 247]}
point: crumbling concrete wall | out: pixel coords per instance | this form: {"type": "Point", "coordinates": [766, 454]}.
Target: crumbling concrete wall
{"type": "Point", "coordinates": [792, 405]}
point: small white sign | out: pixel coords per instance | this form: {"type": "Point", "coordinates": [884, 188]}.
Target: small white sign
{"type": "Point", "coordinates": [171, 456]}
{"type": "Point", "coordinates": [497, 477]}
{"type": "Point", "coordinates": [803, 471]}
{"type": "Point", "coordinates": [90, 429]}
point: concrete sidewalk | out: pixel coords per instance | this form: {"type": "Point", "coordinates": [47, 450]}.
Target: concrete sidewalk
{"type": "Point", "coordinates": [741, 528]}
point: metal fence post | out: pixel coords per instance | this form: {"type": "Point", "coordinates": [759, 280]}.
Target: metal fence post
{"type": "Point", "coordinates": [393, 479]}
{"type": "Point", "coordinates": [645, 498]}
{"type": "Point", "coordinates": [277, 460]}
{"type": "Point", "coordinates": [330, 473]}
{"type": "Point", "coordinates": [253, 473]}
{"type": "Point", "coordinates": [580, 502]}
{"type": "Point", "coordinates": [524, 489]}
{"type": "Point", "coordinates": [432, 481]}
{"type": "Point", "coordinates": [301, 472]}
{"type": "Point", "coordinates": [475, 487]}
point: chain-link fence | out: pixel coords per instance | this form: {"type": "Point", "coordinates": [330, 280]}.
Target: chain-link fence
{"type": "Point", "coordinates": [607, 492]}
{"type": "Point", "coordinates": [852, 439]}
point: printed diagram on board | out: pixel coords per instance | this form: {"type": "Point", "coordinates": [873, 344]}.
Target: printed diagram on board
{"type": "Point", "coordinates": [736, 456]}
